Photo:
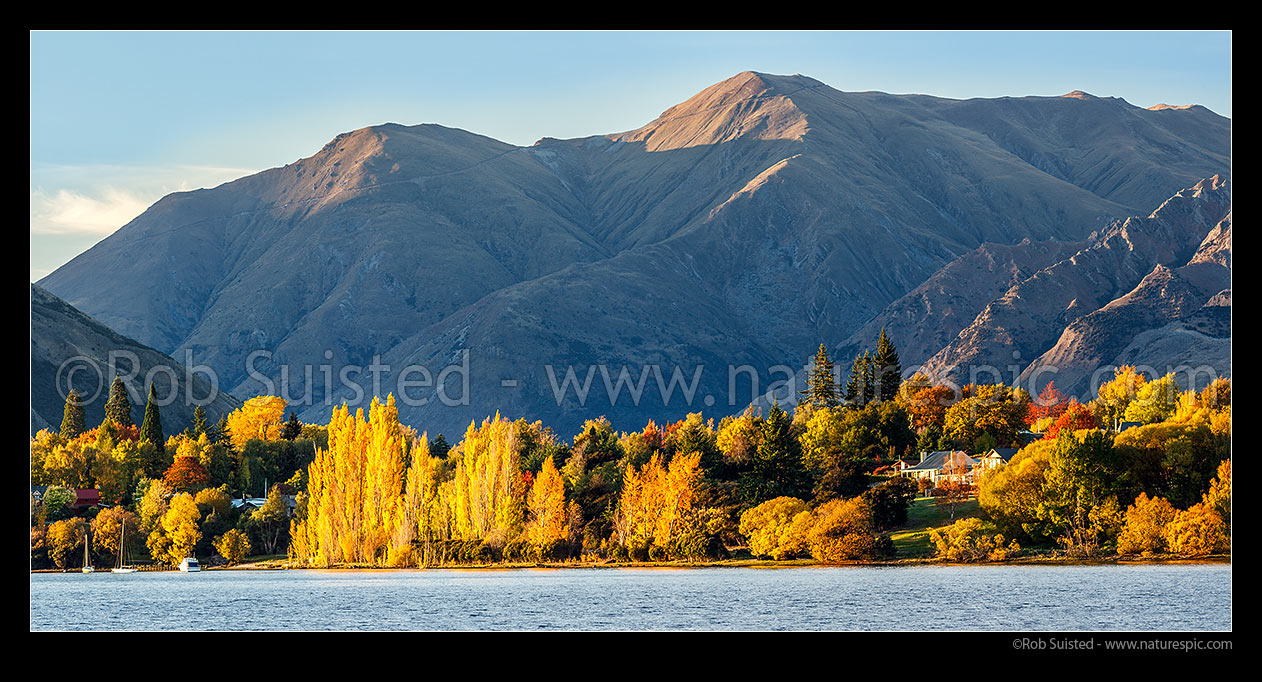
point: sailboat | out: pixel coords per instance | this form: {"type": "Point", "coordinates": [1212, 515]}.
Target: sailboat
{"type": "Point", "coordinates": [122, 552]}
{"type": "Point", "coordinates": [87, 563]}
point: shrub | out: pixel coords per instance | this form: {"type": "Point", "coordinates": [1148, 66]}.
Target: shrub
{"type": "Point", "coordinates": [972, 540]}
{"type": "Point", "coordinates": [1145, 529]}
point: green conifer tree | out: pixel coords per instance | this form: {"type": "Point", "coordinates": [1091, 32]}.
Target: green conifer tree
{"type": "Point", "coordinates": [821, 385]}
{"type": "Point", "coordinates": [151, 427]}
{"type": "Point", "coordinates": [118, 407]}
{"type": "Point", "coordinates": [889, 371]}
{"type": "Point", "coordinates": [200, 425]}
{"type": "Point", "coordinates": [72, 423]}
{"type": "Point", "coordinates": [292, 428]}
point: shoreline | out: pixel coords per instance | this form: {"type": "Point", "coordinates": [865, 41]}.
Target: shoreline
{"type": "Point", "coordinates": [278, 565]}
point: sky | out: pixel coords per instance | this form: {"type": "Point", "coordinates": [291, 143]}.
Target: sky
{"type": "Point", "coordinates": [120, 119]}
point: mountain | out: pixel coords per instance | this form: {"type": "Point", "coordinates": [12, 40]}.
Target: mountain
{"type": "Point", "coordinates": [71, 350]}
{"type": "Point", "coordinates": [741, 227]}
{"type": "Point", "coordinates": [1149, 290]}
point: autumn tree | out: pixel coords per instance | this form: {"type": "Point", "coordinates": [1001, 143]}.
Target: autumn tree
{"type": "Point", "coordinates": [1144, 531]}
{"type": "Point", "coordinates": [233, 546]}
{"type": "Point", "coordinates": [177, 533]}
{"type": "Point", "coordinates": [186, 474]}
{"type": "Point", "coordinates": [111, 525]}
{"type": "Point", "coordinates": [1115, 396]}
{"type": "Point", "coordinates": [770, 529]}
{"type": "Point", "coordinates": [259, 417]}
{"type": "Point", "coordinates": [64, 539]}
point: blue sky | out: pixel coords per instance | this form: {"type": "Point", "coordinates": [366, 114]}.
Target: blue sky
{"type": "Point", "coordinates": [118, 119]}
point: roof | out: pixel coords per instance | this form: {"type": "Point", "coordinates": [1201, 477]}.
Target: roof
{"type": "Point", "coordinates": [1006, 454]}
{"type": "Point", "coordinates": [935, 460]}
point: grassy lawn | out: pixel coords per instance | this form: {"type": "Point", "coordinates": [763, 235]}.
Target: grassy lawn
{"type": "Point", "coordinates": [912, 541]}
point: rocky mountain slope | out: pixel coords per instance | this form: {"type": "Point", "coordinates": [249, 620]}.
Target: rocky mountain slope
{"type": "Point", "coordinates": [745, 225]}
{"type": "Point", "coordinates": [63, 338]}
{"type": "Point", "coordinates": [1153, 291]}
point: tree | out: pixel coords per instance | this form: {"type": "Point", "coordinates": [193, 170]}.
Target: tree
{"type": "Point", "coordinates": [107, 528]}
{"type": "Point", "coordinates": [1075, 417]}
{"type": "Point", "coordinates": [177, 533]}
{"type": "Point", "coordinates": [821, 384]}
{"type": "Point", "coordinates": [777, 469]}
{"type": "Point", "coordinates": [200, 425]}
{"type": "Point", "coordinates": [1144, 531]}
{"type": "Point", "coordinates": [888, 370]}
{"type": "Point", "coordinates": [858, 386]}
{"type": "Point", "coordinates": [1155, 402]}
{"type": "Point", "coordinates": [292, 428]}
{"type": "Point", "coordinates": [1116, 395]}
{"type": "Point", "coordinates": [1196, 532]}
{"type": "Point", "coordinates": [64, 540]}
{"type": "Point", "coordinates": [72, 423]}
{"type": "Point", "coordinates": [259, 417]}
{"type": "Point", "coordinates": [890, 501]}
{"type": "Point", "coordinates": [118, 407]}
{"type": "Point", "coordinates": [844, 530]}
{"type": "Point", "coordinates": [271, 521]}
{"type": "Point", "coordinates": [971, 540]}
{"type": "Point", "coordinates": [548, 521]}
{"type": "Point", "coordinates": [953, 488]}
{"type": "Point", "coordinates": [233, 546]}
{"type": "Point", "coordinates": [769, 528]}
{"type": "Point", "coordinates": [151, 427]}
{"type": "Point", "coordinates": [186, 475]}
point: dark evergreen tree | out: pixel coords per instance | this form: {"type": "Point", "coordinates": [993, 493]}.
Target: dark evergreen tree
{"type": "Point", "coordinates": [821, 385]}
{"type": "Point", "coordinates": [777, 468]}
{"type": "Point", "coordinates": [200, 425]}
{"type": "Point", "coordinates": [219, 433]}
{"type": "Point", "coordinates": [854, 385]}
{"type": "Point", "coordinates": [869, 379]}
{"type": "Point", "coordinates": [439, 447]}
{"type": "Point", "coordinates": [292, 428]}
{"type": "Point", "coordinates": [151, 427]}
{"type": "Point", "coordinates": [118, 407]}
{"type": "Point", "coordinates": [888, 369]}
{"type": "Point", "coordinates": [72, 423]}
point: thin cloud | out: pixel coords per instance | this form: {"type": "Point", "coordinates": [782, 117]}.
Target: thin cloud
{"type": "Point", "coordinates": [73, 200]}
{"type": "Point", "coordinates": [68, 212]}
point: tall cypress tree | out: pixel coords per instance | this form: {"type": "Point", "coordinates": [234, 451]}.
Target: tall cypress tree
{"type": "Point", "coordinates": [151, 427]}
{"type": "Point", "coordinates": [869, 379]}
{"type": "Point", "coordinates": [889, 371]}
{"type": "Point", "coordinates": [821, 385]}
{"type": "Point", "coordinates": [118, 407]}
{"type": "Point", "coordinates": [72, 423]}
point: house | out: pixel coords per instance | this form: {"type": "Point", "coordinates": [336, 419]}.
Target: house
{"type": "Point", "coordinates": [942, 465]}
{"type": "Point", "coordinates": [1122, 426]}
{"type": "Point", "coordinates": [86, 499]}
{"type": "Point", "coordinates": [996, 458]}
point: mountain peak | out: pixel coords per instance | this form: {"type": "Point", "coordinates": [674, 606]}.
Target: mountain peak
{"type": "Point", "coordinates": [1079, 94]}
{"type": "Point", "coordinates": [750, 104]}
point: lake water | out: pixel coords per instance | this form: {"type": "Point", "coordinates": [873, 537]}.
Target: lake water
{"type": "Point", "coordinates": [1022, 598]}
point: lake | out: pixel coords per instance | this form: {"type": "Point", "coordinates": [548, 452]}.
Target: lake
{"type": "Point", "coordinates": [1019, 598]}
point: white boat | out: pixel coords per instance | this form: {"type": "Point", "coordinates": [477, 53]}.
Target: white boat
{"type": "Point", "coordinates": [189, 565]}
{"type": "Point", "coordinates": [122, 552]}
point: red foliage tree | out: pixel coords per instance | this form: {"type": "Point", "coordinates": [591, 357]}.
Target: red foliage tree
{"type": "Point", "coordinates": [1050, 403]}
{"type": "Point", "coordinates": [1075, 418]}
{"type": "Point", "coordinates": [186, 475]}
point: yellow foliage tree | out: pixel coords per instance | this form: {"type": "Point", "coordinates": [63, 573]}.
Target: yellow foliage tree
{"type": "Point", "coordinates": [261, 417]}
{"type": "Point", "coordinates": [1196, 532]}
{"type": "Point", "coordinates": [178, 532]}
{"type": "Point", "coordinates": [771, 530]}
{"type": "Point", "coordinates": [1144, 531]}
{"type": "Point", "coordinates": [549, 521]}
